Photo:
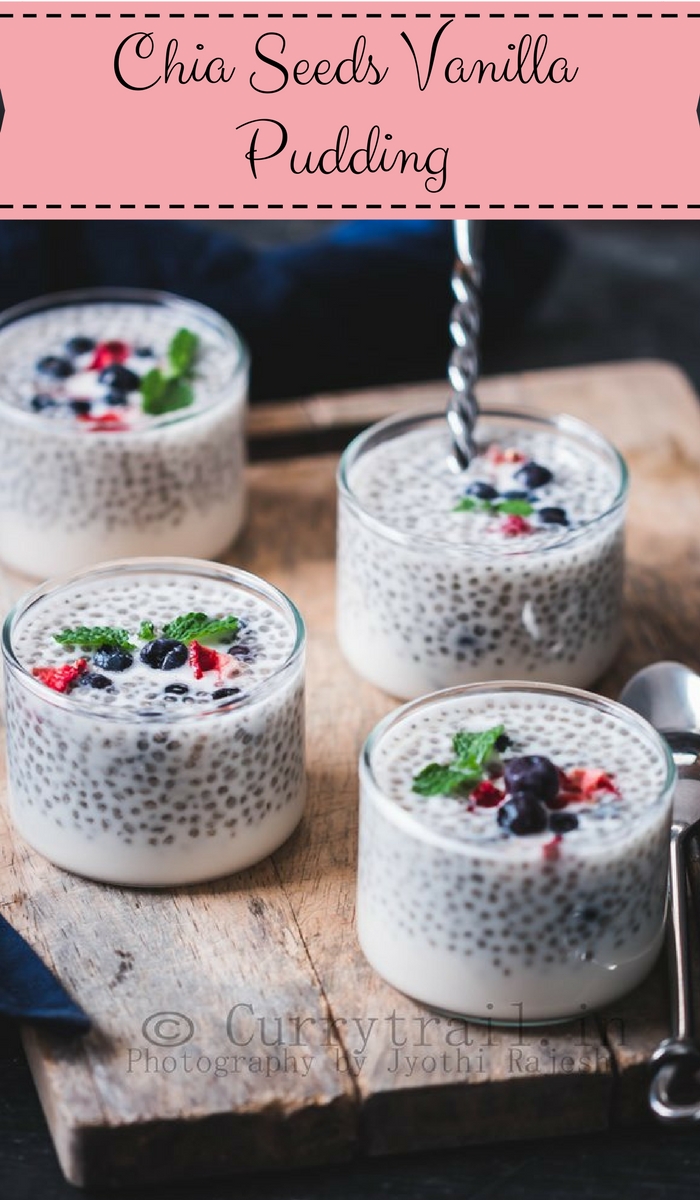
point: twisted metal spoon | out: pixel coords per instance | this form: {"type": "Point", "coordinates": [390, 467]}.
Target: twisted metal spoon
{"type": "Point", "coordinates": [465, 326]}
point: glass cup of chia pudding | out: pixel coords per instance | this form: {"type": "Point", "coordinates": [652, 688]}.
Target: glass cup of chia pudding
{"type": "Point", "coordinates": [121, 429]}
{"type": "Point", "coordinates": [514, 845]}
{"type": "Point", "coordinates": [155, 720]}
{"type": "Point", "coordinates": [510, 569]}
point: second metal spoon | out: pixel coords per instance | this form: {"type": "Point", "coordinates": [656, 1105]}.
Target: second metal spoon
{"type": "Point", "coordinates": [668, 695]}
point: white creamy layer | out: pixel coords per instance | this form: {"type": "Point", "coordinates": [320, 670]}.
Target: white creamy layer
{"type": "Point", "coordinates": [264, 641]}
{"type": "Point", "coordinates": [142, 327]}
{"type": "Point", "coordinates": [572, 735]}
{"type": "Point", "coordinates": [407, 483]}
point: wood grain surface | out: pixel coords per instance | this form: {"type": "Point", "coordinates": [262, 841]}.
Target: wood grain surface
{"type": "Point", "coordinates": [297, 1051]}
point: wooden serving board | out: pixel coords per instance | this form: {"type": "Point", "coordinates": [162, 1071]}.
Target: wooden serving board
{"type": "Point", "coordinates": [296, 1051]}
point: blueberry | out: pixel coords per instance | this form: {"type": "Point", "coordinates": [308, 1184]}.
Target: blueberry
{"type": "Point", "coordinates": [118, 377]}
{"type": "Point", "coordinates": [534, 774]}
{"type": "Point", "coordinates": [522, 815]}
{"type": "Point", "coordinates": [553, 516]}
{"type": "Point", "coordinates": [224, 693]}
{"type": "Point", "coordinates": [81, 408]}
{"type": "Point", "coordinates": [79, 345]}
{"type": "Point", "coordinates": [562, 822]}
{"type": "Point", "coordinates": [54, 367]}
{"type": "Point", "coordinates": [164, 654]}
{"type": "Point", "coordinates": [244, 653]}
{"type": "Point", "coordinates": [116, 399]}
{"type": "Point", "coordinates": [533, 475]}
{"type": "Point", "coordinates": [481, 490]}
{"type": "Point", "coordinates": [41, 402]}
{"type": "Point", "coordinates": [176, 689]}
{"type": "Point", "coordinates": [516, 494]}
{"type": "Point", "coordinates": [93, 680]}
{"type": "Point", "coordinates": [143, 352]}
{"type": "Point", "coordinates": [110, 658]}
{"type": "Point", "coordinates": [502, 742]}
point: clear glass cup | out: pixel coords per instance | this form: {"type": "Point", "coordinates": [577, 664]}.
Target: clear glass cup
{"type": "Point", "coordinates": [496, 927]}
{"type": "Point", "coordinates": [154, 797]}
{"type": "Point", "coordinates": [417, 613]}
{"type": "Point", "coordinates": [70, 497]}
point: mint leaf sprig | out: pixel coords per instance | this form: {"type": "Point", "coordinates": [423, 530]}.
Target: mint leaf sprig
{"type": "Point", "coordinates": [91, 637]}
{"type": "Point", "coordinates": [189, 627]}
{"type": "Point", "coordinates": [515, 508]}
{"type": "Point", "coordinates": [166, 391]}
{"type": "Point", "coordinates": [197, 626]}
{"type": "Point", "coordinates": [472, 753]}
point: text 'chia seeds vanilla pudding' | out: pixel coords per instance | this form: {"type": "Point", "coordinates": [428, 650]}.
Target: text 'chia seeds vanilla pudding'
{"type": "Point", "coordinates": [511, 569]}
{"type": "Point", "coordinates": [155, 720]}
{"type": "Point", "coordinates": [121, 430]}
{"type": "Point", "coordinates": [514, 846]}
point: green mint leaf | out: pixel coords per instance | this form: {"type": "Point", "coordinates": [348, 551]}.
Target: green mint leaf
{"type": "Point", "coordinates": [147, 631]}
{"type": "Point", "coordinates": [518, 508]}
{"type": "Point", "coordinates": [167, 392]}
{"type": "Point", "coordinates": [469, 504]}
{"type": "Point", "coordinates": [178, 394]}
{"type": "Point", "coordinates": [92, 637]}
{"type": "Point", "coordinates": [152, 388]}
{"type": "Point", "coordinates": [439, 780]}
{"type": "Point", "coordinates": [473, 750]}
{"type": "Point", "coordinates": [182, 351]}
{"type": "Point", "coordinates": [158, 400]}
{"type": "Point", "coordinates": [199, 627]}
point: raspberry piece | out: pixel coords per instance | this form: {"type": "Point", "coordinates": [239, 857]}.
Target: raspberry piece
{"type": "Point", "coordinates": [497, 455]}
{"type": "Point", "coordinates": [586, 782]}
{"type": "Point", "coordinates": [61, 679]}
{"type": "Point", "coordinates": [203, 658]}
{"type": "Point", "coordinates": [550, 850]}
{"type": "Point", "coordinates": [486, 795]}
{"type": "Point", "coordinates": [515, 526]}
{"type": "Point", "coordinates": [107, 423]}
{"type": "Point", "coordinates": [108, 353]}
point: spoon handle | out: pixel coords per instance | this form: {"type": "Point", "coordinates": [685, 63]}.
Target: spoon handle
{"type": "Point", "coordinates": [465, 326]}
{"type": "Point", "coordinates": [681, 1009]}
{"type": "Point", "coordinates": [676, 1061]}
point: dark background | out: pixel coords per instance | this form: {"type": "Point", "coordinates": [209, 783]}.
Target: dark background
{"type": "Point", "coordinates": [611, 290]}
{"type": "Point", "coordinates": [618, 289]}
{"type": "Point", "coordinates": [326, 305]}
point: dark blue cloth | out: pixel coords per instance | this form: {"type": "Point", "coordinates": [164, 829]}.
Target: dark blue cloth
{"type": "Point", "coordinates": [28, 990]}
{"type": "Point", "coordinates": [365, 303]}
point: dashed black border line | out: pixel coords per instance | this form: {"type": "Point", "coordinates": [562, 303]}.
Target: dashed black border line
{"type": "Point", "coordinates": [326, 206]}
{"type": "Point", "coordinates": [272, 16]}
{"type": "Point", "coordinates": [353, 16]}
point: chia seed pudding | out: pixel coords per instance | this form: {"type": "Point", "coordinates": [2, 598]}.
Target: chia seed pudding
{"type": "Point", "coordinates": [155, 720]}
{"type": "Point", "coordinates": [121, 430]}
{"type": "Point", "coordinates": [511, 569]}
{"type": "Point", "coordinates": [527, 882]}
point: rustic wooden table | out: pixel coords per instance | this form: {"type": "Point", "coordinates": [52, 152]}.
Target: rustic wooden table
{"type": "Point", "coordinates": [276, 944]}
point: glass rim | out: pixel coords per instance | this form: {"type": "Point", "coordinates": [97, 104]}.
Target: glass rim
{"type": "Point", "coordinates": [164, 566]}
{"type": "Point", "coordinates": [413, 827]}
{"type": "Point", "coordinates": [127, 295]}
{"type": "Point", "coordinates": [404, 422]}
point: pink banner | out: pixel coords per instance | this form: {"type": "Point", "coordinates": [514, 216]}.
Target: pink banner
{"type": "Point", "coordinates": [373, 110]}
